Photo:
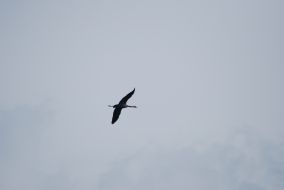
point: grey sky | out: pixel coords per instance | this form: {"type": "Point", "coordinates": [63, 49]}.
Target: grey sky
{"type": "Point", "coordinates": [209, 90]}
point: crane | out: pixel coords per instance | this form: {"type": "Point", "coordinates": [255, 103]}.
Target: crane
{"type": "Point", "coordinates": [122, 104]}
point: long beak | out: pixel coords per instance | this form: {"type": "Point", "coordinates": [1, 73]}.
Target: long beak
{"type": "Point", "coordinates": [110, 106]}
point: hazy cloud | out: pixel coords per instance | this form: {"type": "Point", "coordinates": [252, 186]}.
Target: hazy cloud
{"type": "Point", "coordinates": [244, 161]}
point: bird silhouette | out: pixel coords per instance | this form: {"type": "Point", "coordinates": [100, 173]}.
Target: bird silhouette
{"type": "Point", "coordinates": [122, 104]}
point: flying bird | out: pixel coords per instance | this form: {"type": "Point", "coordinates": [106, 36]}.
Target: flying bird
{"type": "Point", "coordinates": [122, 104]}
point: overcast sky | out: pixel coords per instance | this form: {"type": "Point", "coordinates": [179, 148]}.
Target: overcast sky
{"type": "Point", "coordinates": [209, 89]}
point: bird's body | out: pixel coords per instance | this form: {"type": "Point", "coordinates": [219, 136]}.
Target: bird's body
{"type": "Point", "coordinates": [122, 104]}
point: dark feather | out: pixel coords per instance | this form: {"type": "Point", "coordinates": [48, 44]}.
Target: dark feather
{"type": "Point", "coordinates": [124, 100]}
{"type": "Point", "coordinates": [115, 116]}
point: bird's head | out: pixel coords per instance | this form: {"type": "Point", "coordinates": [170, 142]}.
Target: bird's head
{"type": "Point", "coordinates": [114, 106]}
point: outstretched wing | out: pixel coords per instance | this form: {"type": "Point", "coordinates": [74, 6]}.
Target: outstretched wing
{"type": "Point", "coordinates": [124, 100]}
{"type": "Point", "coordinates": [115, 116]}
